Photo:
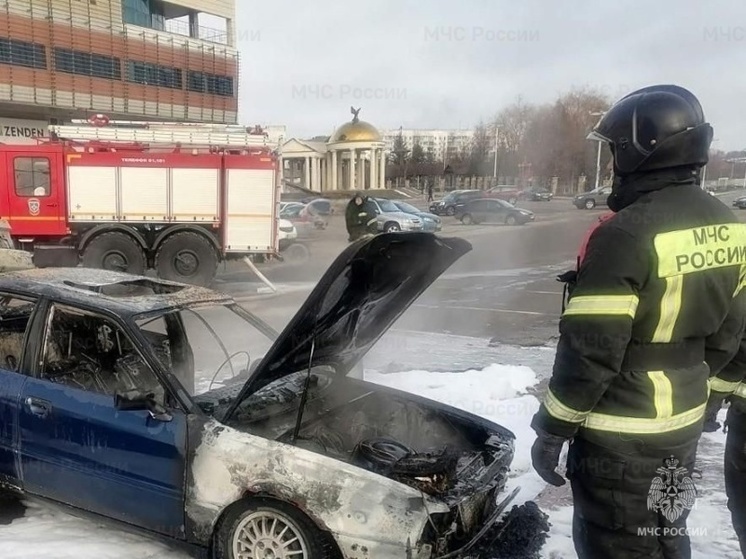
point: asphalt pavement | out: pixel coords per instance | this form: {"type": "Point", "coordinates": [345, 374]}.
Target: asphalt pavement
{"type": "Point", "coordinates": [505, 289]}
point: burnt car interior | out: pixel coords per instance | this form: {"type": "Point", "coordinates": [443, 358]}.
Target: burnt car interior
{"type": "Point", "coordinates": [92, 353]}
{"type": "Point", "coordinates": [14, 318]}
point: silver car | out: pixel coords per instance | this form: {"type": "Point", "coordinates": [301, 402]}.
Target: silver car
{"type": "Point", "coordinates": [390, 218]}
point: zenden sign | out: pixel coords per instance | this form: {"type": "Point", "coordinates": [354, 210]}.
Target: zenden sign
{"type": "Point", "coordinates": [700, 248]}
{"type": "Point", "coordinates": [21, 131]}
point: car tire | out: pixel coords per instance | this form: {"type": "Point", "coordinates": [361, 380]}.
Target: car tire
{"type": "Point", "coordinates": [295, 253]}
{"type": "Point", "coordinates": [391, 227]}
{"type": "Point", "coordinates": [115, 251]}
{"type": "Point", "coordinates": [292, 530]}
{"type": "Point", "coordinates": [511, 220]}
{"type": "Point", "coordinates": [589, 204]}
{"type": "Point", "coordinates": [187, 257]}
{"type": "Point", "coordinates": [451, 211]}
{"type": "Point", "coordinates": [466, 219]}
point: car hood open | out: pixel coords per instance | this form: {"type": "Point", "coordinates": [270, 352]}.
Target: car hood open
{"type": "Point", "coordinates": [365, 290]}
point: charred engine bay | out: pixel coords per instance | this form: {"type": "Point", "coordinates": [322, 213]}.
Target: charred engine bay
{"type": "Point", "coordinates": [393, 434]}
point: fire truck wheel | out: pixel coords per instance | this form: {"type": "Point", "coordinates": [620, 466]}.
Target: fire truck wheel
{"type": "Point", "coordinates": [115, 251]}
{"type": "Point", "coordinates": [187, 257]}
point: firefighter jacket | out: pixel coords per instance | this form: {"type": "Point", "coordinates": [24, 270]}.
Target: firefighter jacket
{"type": "Point", "coordinates": [730, 382]}
{"type": "Point", "coordinates": [658, 298]}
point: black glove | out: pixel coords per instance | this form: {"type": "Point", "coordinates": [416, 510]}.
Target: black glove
{"type": "Point", "coordinates": [711, 413]}
{"type": "Point", "coordinates": [545, 457]}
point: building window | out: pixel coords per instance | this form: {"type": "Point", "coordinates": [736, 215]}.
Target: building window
{"type": "Point", "coordinates": [21, 53]}
{"type": "Point", "coordinates": [210, 83]}
{"type": "Point", "coordinates": [145, 13]}
{"type": "Point", "coordinates": [87, 64]}
{"type": "Point", "coordinates": [152, 74]}
{"type": "Point", "coordinates": [32, 176]}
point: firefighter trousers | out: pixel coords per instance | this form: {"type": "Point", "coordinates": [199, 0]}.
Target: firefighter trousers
{"type": "Point", "coordinates": [735, 473]}
{"type": "Point", "coordinates": [619, 511]}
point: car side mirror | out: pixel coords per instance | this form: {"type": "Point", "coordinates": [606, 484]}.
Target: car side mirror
{"type": "Point", "coordinates": [134, 400]}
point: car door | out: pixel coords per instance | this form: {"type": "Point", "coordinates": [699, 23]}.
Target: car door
{"type": "Point", "coordinates": [79, 448]}
{"type": "Point", "coordinates": [16, 317]}
{"type": "Point", "coordinates": [492, 210]}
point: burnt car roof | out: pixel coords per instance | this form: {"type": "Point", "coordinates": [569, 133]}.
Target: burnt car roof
{"type": "Point", "coordinates": [124, 294]}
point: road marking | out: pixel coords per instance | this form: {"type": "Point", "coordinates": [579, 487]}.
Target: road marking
{"type": "Point", "coordinates": [544, 292]}
{"type": "Point", "coordinates": [483, 309]}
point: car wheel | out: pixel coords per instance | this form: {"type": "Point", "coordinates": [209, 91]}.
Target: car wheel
{"type": "Point", "coordinates": [187, 257]}
{"type": "Point", "coordinates": [590, 204]}
{"type": "Point", "coordinates": [450, 210]}
{"type": "Point", "coordinates": [268, 528]}
{"type": "Point", "coordinates": [391, 227]}
{"type": "Point", "coordinates": [115, 251]}
{"type": "Point", "coordinates": [510, 220]}
{"type": "Point", "coordinates": [296, 253]}
{"type": "Point", "coordinates": [466, 219]}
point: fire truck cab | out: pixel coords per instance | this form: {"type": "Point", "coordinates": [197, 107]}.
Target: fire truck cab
{"type": "Point", "coordinates": [176, 198]}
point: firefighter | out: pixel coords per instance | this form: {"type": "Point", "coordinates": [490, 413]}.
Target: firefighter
{"type": "Point", "coordinates": [358, 215]}
{"type": "Point", "coordinates": [653, 304]}
{"type": "Point", "coordinates": [730, 385]}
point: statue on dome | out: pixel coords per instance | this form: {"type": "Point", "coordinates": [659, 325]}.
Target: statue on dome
{"type": "Point", "coordinates": [355, 112]}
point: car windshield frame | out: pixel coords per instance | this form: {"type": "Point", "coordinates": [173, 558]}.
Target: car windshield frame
{"type": "Point", "coordinates": [383, 203]}
{"type": "Point", "coordinates": [138, 321]}
{"type": "Point", "coordinates": [406, 204]}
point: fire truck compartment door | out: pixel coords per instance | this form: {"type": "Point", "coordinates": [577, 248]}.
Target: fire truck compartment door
{"type": "Point", "coordinates": [36, 194]}
{"type": "Point", "coordinates": [250, 216]}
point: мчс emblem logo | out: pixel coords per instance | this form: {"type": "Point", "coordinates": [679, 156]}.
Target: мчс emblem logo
{"type": "Point", "coordinates": [672, 491]}
{"type": "Point", "coordinates": [34, 206]}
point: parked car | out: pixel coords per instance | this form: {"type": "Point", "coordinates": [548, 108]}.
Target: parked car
{"type": "Point", "coordinates": [320, 206]}
{"type": "Point", "coordinates": [536, 195]}
{"type": "Point", "coordinates": [287, 232]}
{"type": "Point", "coordinates": [740, 203]}
{"type": "Point", "coordinates": [447, 206]}
{"type": "Point", "coordinates": [390, 218]}
{"type": "Point", "coordinates": [508, 193]}
{"type": "Point", "coordinates": [589, 200]}
{"type": "Point", "coordinates": [430, 222]}
{"type": "Point", "coordinates": [488, 210]}
{"type": "Point", "coordinates": [305, 222]}
{"type": "Point", "coordinates": [172, 410]}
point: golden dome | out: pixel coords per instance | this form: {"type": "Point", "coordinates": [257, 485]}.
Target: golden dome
{"type": "Point", "coordinates": [359, 131]}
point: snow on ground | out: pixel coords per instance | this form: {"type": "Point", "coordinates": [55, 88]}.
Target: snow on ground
{"type": "Point", "coordinates": [498, 392]}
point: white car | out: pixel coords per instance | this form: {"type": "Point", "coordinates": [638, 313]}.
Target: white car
{"type": "Point", "coordinates": [287, 232]}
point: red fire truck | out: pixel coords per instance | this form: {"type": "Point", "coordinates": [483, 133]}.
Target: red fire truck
{"type": "Point", "coordinates": [133, 196]}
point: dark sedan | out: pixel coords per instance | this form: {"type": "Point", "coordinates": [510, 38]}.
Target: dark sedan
{"type": "Point", "coordinates": [537, 195]}
{"type": "Point", "coordinates": [447, 206]}
{"type": "Point", "coordinates": [740, 203]}
{"type": "Point", "coordinates": [492, 211]}
{"type": "Point", "coordinates": [589, 200]}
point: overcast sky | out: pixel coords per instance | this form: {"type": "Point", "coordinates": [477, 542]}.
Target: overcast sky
{"type": "Point", "coordinates": [447, 64]}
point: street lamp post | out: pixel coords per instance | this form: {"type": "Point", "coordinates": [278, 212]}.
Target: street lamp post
{"type": "Point", "coordinates": [494, 171]}
{"type": "Point", "coordinates": [598, 153]}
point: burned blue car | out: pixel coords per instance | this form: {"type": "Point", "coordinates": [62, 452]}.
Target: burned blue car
{"type": "Point", "coordinates": [172, 411]}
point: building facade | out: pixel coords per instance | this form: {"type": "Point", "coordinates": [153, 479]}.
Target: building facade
{"type": "Point", "coordinates": [441, 144]}
{"type": "Point", "coordinates": [352, 158]}
{"type": "Point", "coordinates": [128, 59]}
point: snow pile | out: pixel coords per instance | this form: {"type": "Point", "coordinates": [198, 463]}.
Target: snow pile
{"type": "Point", "coordinates": [499, 393]}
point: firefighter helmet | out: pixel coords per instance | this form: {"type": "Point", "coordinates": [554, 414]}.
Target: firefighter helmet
{"type": "Point", "coordinates": [655, 127]}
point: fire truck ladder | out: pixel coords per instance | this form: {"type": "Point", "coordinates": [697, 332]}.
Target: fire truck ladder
{"type": "Point", "coordinates": [194, 135]}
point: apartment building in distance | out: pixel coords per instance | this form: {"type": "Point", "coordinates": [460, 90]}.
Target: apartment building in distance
{"type": "Point", "coordinates": [158, 60]}
{"type": "Point", "coordinates": [443, 144]}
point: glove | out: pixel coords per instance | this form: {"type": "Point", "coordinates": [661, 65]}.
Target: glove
{"type": "Point", "coordinates": [545, 455]}
{"type": "Point", "coordinates": [711, 413]}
